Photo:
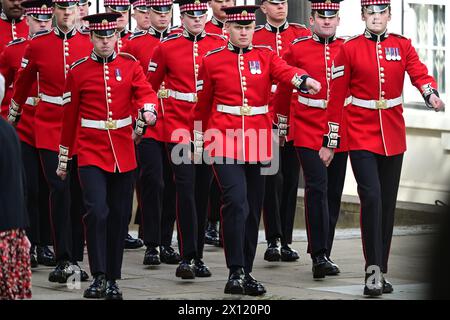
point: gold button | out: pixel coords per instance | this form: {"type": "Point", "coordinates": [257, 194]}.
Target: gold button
{"type": "Point", "coordinates": [244, 83]}
{"type": "Point", "coordinates": [381, 57]}
{"type": "Point", "coordinates": [383, 81]}
{"type": "Point", "coordinates": [241, 57]}
{"type": "Point", "coordinates": [382, 75]}
{"type": "Point", "coordinates": [110, 113]}
{"type": "Point", "coordinates": [328, 58]}
{"type": "Point", "coordinates": [280, 47]}
{"type": "Point", "coordinates": [244, 78]}
{"type": "Point", "coordinates": [383, 93]}
{"type": "Point", "coordinates": [66, 54]}
{"type": "Point", "coordinates": [109, 101]}
{"type": "Point", "coordinates": [106, 72]}
{"type": "Point", "coordinates": [109, 95]}
{"type": "Point", "coordinates": [242, 68]}
{"type": "Point", "coordinates": [328, 69]}
{"type": "Point", "coordinates": [244, 88]}
{"type": "Point", "coordinates": [381, 69]}
{"type": "Point", "coordinates": [106, 67]}
{"type": "Point", "coordinates": [280, 42]}
{"type": "Point", "coordinates": [67, 66]}
{"type": "Point", "coordinates": [108, 88]}
{"type": "Point", "coordinates": [107, 78]}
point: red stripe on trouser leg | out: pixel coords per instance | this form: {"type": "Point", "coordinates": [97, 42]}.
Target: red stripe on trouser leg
{"type": "Point", "coordinates": [220, 213]}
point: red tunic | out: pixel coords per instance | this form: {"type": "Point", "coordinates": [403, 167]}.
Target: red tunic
{"type": "Point", "coordinates": [177, 61]}
{"type": "Point", "coordinates": [10, 60]}
{"type": "Point", "coordinates": [230, 78]}
{"type": "Point", "coordinates": [102, 90]}
{"type": "Point", "coordinates": [373, 68]}
{"type": "Point", "coordinates": [50, 55]}
{"type": "Point", "coordinates": [307, 122]}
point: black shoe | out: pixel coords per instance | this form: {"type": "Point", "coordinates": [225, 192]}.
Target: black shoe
{"type": "Point", "coordinates": [235, 283]}
{"type": "Point", "coordinates": [332, 268]}
{"type": "Point", "coordinates": [321, 266]}
{"type": "Point", "coordinates": [62, 272]}
{"type": "Point", "coordinates": [201, 270]}
{"type": "Point", "coordinates": [212, 234]}
{"type": "Point", "coordinates": [33, 257]}
{"type": "Point", "coordinates": [131, 243]}
{"type": "Point", "coordinates": [374, 288]}
{"type": "Point", "coordinates": [151, 257]}
{"type": "Point", "coordinates": [97, 289]}
{"type": "Point", "coordinates": [169, 255]}
{"type": "Point", "coordinates": [288, 254]}
{"type": "Point", "coordinates": [45, 256]}
{"type": "Point", "coordinates": [253, 287]}
{"type": "Point", "coordinates": [112, 291]}
{"type": "Point", "coordinates": [82, 274]}
{"type": "Point", "coordinates": [272, 252]}
{"type": "Point", "coordinates": [387, 286]}
{"type": "Point", "coordinates": [185, 270]}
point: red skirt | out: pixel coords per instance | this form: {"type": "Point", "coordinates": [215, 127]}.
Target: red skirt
{"type": "Point", "coordinates": [15, 270]}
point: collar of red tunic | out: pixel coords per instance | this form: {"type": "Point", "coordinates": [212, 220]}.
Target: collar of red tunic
{"type": "Point", "coordinates": [238, 50]}
{"type": "Point", "coordinates": [100, 59]}
{"type": "Point", "coordinates": [217, 22]}
{"type": "Point", "coordinates": [63, 35]}
{"type": "Point", "coordinates": [192, 37]}
{"type": "Point", "coordinates": [124, 33]}
{"type": "Point", "coordinates": [158, 34]}
{"type": "Point", "coordinates": [5, 18]}
{"type": "Point", "coordinates": [274, 29]}
{"type": "Point", "coordinates": [376, 37]}
{"type": "Point", "coordinates": [318, 38]}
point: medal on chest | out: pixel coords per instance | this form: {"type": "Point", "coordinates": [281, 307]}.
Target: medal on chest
{"type": "Point", "coordinates": [255, 67]}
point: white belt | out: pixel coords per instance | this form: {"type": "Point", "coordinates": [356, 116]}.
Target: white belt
{"type": "Point", "coordinates": [243, 110]}
{"type": "Point", "coordinates": [106, 125]}
{"type": "Point", "coordinates": [321, 104]}
{"type": "Point", "coordinates": [188, 97]}
{"type": "Point", "coordinates": [377, 104]}
{"type": "Point", "coordinates": [60, 100]}
{"type": "Point", "coordinates": [32, 101]}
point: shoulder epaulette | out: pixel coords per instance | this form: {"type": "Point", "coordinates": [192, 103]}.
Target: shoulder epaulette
{"type": "Point", "coordinates": [174, 27]}
{"type": "Point", "coordinates": [352, 38]}
{"type": "Point", "coordinates": [127, 55]}
{"type": "Point", "coordinates": [137, 34]}
{"type": "Point", "coordinates": [217, 35]}
{"type": "Point", "coordinates": [41, 33]}
{"type": "Point", "coordinates": [16, 41]}
{"type": "Point", "coordinates": [171, 37]}
{"type": "Point", "coordinates": [263, 47]}
{"type": "Point", "coordinates": [300, 39]}
{"type": "Point", "coordinates": [298, 25]}
{"type": "Point", "coordinates": [259, 27]}
{"type": "Point", "coordinates": [78, 62]}
{"type": "Point", "coordinates": [398, 35]}
{"type": "Point", "coordinates": [214, 51]}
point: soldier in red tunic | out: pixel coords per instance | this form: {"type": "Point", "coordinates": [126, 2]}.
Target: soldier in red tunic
{"type": "Point", "coordinates": [306, 119]}
{"type": "Point", "coordinates": [12, 27]}
{"type": "Point", "coordinates": [373, 66]}
{"type": "Point", "coordinates": [122, 7]}
{"type": "Point", "coordinates": [48, 57]}
{"type": "Point", "coordinates": [140, 15]}
{"type": "Point", "coordinates": [232, 116]}
{"type": "Point", "coordinates": [217, 23]}
{"type": "Point", "coordinates": [39, 14]}
{"type": "Point", "coordinates": [98, 119]}
{"type": "Point", "coordinates": [280, 201]}
{"type": "Point", "coordinates": [156, 194]}
{"type": "Point", "coordinates": [177, 61]}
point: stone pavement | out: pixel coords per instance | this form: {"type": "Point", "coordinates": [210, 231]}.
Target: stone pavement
{"type": "Point", "coordinates": [410, 252]}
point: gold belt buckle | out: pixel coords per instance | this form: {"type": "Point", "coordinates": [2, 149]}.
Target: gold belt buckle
{"type": "Point", "coordinates": [111, 124]}
{"type": "Point", "coordinates": [325, 104]}
{"type": "Point", "coordinates": [163, 93]}
{"type": "Point", "coordinates": [195, 98]}
{"type": "Point", "coordinates": [246, 110]}
{"type": "Point", "coordinates": [381, 104]}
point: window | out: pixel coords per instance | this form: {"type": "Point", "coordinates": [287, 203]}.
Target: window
{"type": "Point", "coordinates": [425, 23]}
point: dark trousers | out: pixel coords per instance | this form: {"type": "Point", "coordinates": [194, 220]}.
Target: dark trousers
{"type": "Point", "coordinates": [203, 179]}
{"type": "Point", "coordinates": [280, 199]}
{"type": "Point", "coordinates": [168, 215]}
{"type": "Point", "coordinates": [336, 178]}
{"type": "Point", "coordinates": [30, 158]}
{"type": "Point", "coordinates": [59, 200]}
{"type": "Point", "coordinates": [378, 179]}
{"type": "Point", "coordinates": [215, 202]}
{"type": "Point", "coordinates": [77, 211]}
{"type": "Point", "coordinates": [186, 215]}
{"type": "Point", "coordinates": [44, 210]}
{"type": "Point", "coordinates": [242, 187]}
{"type": "Point", "coordinates": [107, 198]}
{"type": "Point", "coordinates": [316, 202]}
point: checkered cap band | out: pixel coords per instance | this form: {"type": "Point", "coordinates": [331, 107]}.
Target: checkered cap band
{"type": "Point", "coordinates": [103, 26]}
{"type": "Point", "coordinates": [193, 7]}
{"type": "Point", "coordinates": [159, 3]}
{"type": "Point", "coordinates": [116, 3]}
{"type": "Point", "coordinates": [325, 6]}
{"type": "Point", "coordinates": [139, 3]}
{"type": "Point", "coordinates": [241, 17]}
{"type": "Point", "coordinates": [63, 1]}
{"type": "Point", "coordinates": [374, 2]}
{"type": "Point", "coordinates": [29, 11]}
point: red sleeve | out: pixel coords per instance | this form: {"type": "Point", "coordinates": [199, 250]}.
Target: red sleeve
{"type": "Point", "coordinates": [157, 68]}
{"type": "Point", "coordinates": [340, 81]}
{"type": "Point", "coordinates": [142, 91]}
{"type": "Point", "coordinates": [27, 75]}
{"type": "Point", "coordinates": [283, 73]}
{"type": "Point", "coordinates": [6, 68]}
{"type": "Point", "coordinates": [282, 97]}
{"type": "Point", "coordinates": [205, 93]}
{"type": "Point", "coordinates": [71, 112]}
